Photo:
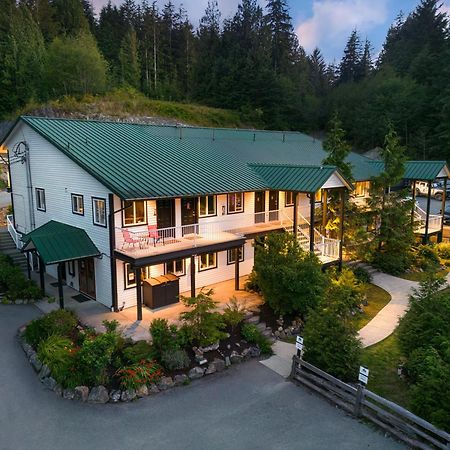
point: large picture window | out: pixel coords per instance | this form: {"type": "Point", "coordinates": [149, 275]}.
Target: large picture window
{"type": "Point", "coordinates": [207, 205]}
{"type": "Point", "coordinates": [135, 213]}
{"type": "Point", "coordinates": [176, 267]}
{"type": "Point", "coordinates": [77, 204]}
{"type": "Point", "coordinates": [40, 199]}
{"type": "Point", "coordinates": [231, 255]}
{"type": "Point", "coordinates": [235, 202]}
{"type": "Point", "coordinates": [362, 188]}
{"type": "Point", "coordinates": [289, 198]}
{"type": "Point", "coordinates": [99, 211]}
{"type": "Point", "coordinates": [207, 261]}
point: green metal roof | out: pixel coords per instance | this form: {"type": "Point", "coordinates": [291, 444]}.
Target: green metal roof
{"type": "Point", "coordinates": [284, 177]}
{"type": "Point", "coordinates": [57, 242]}
{"type": "Point", "coordinates": [418, 170]}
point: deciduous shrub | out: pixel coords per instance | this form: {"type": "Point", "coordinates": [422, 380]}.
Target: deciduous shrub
{"type": "Point", "coordinates": [164, 337]}
{"type": "Point", "coordinates": [253, 335]}
{"type": "Point", "coordinates": [140, 351]}
{"type": "Point", "coordinates": [252, 282]}
{"type": "Point", "coordinates": [443, 250]}
{"type": "Point", "coordinates": [362, 275]}
{"type": "Point", "coordinates": [175, 359]}
{"type": "Point", "coordinates": [426, 257]}
{"type": "Point", "coordinates": [136, 375]}
{"type": "Point", "coordinates": [234, 313]}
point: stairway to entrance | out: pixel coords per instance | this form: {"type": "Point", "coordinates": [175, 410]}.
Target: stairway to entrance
{"type": "Point", "coordinates": [8, 247]}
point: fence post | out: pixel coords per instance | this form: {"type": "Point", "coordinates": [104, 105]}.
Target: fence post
{"type": "Point", "coordinates": [358, 400]}
{"type": "Point", "coordinates": [295, 361]}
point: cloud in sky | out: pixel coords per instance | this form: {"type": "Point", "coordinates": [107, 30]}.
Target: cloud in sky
{"type": "Point", "coordinates": [332, 21]}
{"type": "Point", "coordinates": [445, 8]}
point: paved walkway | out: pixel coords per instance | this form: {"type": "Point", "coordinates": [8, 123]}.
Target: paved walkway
{"type": "Point", "coordinates": [244, 407]}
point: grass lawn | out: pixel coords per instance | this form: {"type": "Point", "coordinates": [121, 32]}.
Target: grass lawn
{"type": "Point", "coordinates": [420, 276]}
{"type": "Point", "coordinates": [377, 298]}
{"type": "Point", "coordinates": [382, 360]}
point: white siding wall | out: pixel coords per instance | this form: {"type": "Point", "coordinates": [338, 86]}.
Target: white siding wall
{"type": "Point", "coordinates": [60, 177]}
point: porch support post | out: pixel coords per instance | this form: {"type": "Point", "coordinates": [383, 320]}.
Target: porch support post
{"type": "Point", "coordinates": [28, 266]}
{"type": "Point", "coordinates": [41, 275]}
{"type": "Point", "coordinates": [236, 270]}
{"type": "Point", "coordinates": [341, 227]}
{"type": "Point", "coordinates": [444, 194]}
{"type": "Point", "coordinates": [324, 210]}
{"type": "Point", "coordinates": [295, 221]}
{"type": "Point", "coordinates": [192, 275]}
{"type": "Point", "coordinates": [60, 286]}
{"type": "Point", "coordinates": [137, 276]}
{"type": "Point", "coordinates": [312, 204]}
{"type": "Point", "coordinates": [427, 219]}
{"type": "Point", "coordinates": [112, 246]}
{"type": "Point", "coordinates": [414, 202]}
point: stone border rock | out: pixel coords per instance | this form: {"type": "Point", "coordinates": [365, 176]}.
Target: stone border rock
{"type": "Point", "coordinates": [101, 395]}
{"type": "Point", "coordinates": [5, 301]}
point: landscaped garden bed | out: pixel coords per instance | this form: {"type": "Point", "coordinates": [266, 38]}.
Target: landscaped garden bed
{"type": "Point", "coordinates": [78, 363]}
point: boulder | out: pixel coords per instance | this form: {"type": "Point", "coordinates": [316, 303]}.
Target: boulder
{"type": "Point", "coordinates": [261, 326]}
{"type": "Point", "coordinates": [44, 372]}
{"type": "Point", "coordinates": [245, 354]}
{"type": "Point", "coordinates": [98, 394]}
{"type": "Point", "coordinates": [210, 348]}
{"type": "Point", "coordinates": [28, 349]}
{"type": "Point", "coordinates": [58, 390]}
{"type": "Point", "coordinates": [49, 383]}
{"type": "Point", "coordinates": [227, 361]}
{"type": "Point", "coordinates": [128, 395]}
{"type": "Point", "coordinates": [142, 391]}
{"type": "Point", "coordinates": [235, 357]}
{"type": "Point", "coordinates": [196, 372]}
{"type": "Point", "coordinates": [81, 393]}
{"type": "Point", "coordinates": [114, 396]}
{"type": "Point", "coordinates": [210, 369]}
{"type": "Point", "coordinates": [252, 319]}
{"type": "Point", "coordinates": [68, 394]}
{"type": "Point", "coordinates": [219, 364]}
{"type": "Point", "coordinates": [153, 389]}
{"type": "Point", "coordinates": [180, 379]}
{"type": "Point", "coordinates": [165, 383]}
{"type": "Point", "coordinates": [35, 363]}
{"type": "Point", "coordinates": [254, 352]}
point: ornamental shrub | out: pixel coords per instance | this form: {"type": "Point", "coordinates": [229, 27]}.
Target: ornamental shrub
{"type": "Point", "coordinates": [234, 313]}
{"type": "Point", "coordinates": [426, 257]}
{"type": "Point", "coordinates": [362, 275]}
{"type": "Point", "coordinates": [253, 335]}
{"type": "Point", "coordinates": [140, 351]}
{"type": "Point", "coordinates": [164, 337]}
{"type": "Point", "coordinates": [443, 250]}
{"type": "Point", "coordinates": [175, 359]}
{"type": "Point", "coordinates": [136, 375]}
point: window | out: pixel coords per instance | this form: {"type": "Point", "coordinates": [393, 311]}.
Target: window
{"type": "Point", "coordinates": [71, 266]}
{"type": "Point", "coordinates": [130, 280]}
{"type": "Point", "coordinates": [207, 205]}
{"type": "Point", "coordinates": [99, 211]}
{"type": "Point", "coordinates": [177, 267]}
{"type": "Point", "coordinates": [77, 204]}
{"type": "Point", "coordinates": [289, 198]}
{"type": "Point", "coordinates": [135, 213]}
{"type": "Point", "coordinates": [231, 255]}
{"type": "Point", "coordinates": [40, 199]}
{"type": "Point", "coordinates": [208, 261]}
{"type": "Point", "coordinates": [235, 203]}
{"type": "Point", "coordinates": [318, 196]}
{"type": "Point", "coordinates": [362, 188]}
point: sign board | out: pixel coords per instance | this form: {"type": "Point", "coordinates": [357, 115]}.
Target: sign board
{"type": "Point", "coordinates": [299, 343]}
{"type": "Point", "coordinates": [363, 374]}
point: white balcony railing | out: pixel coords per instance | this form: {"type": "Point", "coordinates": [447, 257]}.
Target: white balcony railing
{"type": "Point", "coordinates": [434, 220]}
{"type": "Point", "coordinates": [13, 232]}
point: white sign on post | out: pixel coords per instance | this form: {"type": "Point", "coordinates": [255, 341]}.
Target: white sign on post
{"type": "Point", "coordinates": [299, 343]}
{"type": "Point", "coordinates": [363, 374]}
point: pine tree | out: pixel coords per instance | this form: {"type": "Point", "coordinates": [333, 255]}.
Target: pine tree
{"type": "Point", "coordinates": [318, 76]}
{"type": "Point", "coordinates": [129, 62]}
{"type": "Point", "coordinates": [366, 64]}
{"type": "Point", "coordinates": [69, 17]}
{"type": "Point", "coordinates": [350, 63]}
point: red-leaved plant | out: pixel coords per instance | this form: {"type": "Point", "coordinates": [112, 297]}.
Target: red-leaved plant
{"type": "Point", "coordinates": [136, 375]}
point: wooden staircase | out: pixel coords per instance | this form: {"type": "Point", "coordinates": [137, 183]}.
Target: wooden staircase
{"type": "Point", "coordinates": [8, 247]}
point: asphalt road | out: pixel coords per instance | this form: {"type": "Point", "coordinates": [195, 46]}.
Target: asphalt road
{"type": "Point", "coordinates": [435, 206]}
{"type": "Point", "coordinates": [246, 407]}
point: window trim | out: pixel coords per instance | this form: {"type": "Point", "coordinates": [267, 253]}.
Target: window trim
{"type": "Point", "coordinates": [286, 204]}
{"type": "Point", "coordinates": [176, 274]}
{"type": "Point", "coordinates": [71, 268]}
{"type": "Point", "coordinates": [228, 203]}
{"type": "Point", "coordinates": [140, 224]}
{"type": "Point", "coordinates": [44, 209]}
{"type": "Point", "coordinates": [229, 263]}
{"type": "Point", "coordinates": [365, 189]}
{"type": "Point", "coordinates": [72, 196]}
{"type": "Point", "coordinates": [127, 286]}
{"type": "Point", "coordinates": [200, 216]}
{"type": "Point", "coordinates": [93, 212]}
{"type": "Point", "coordinates": [208, 268]}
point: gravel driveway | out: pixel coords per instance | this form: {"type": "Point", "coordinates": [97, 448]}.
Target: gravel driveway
{"type": "Point", "coordinates": [246, 407]}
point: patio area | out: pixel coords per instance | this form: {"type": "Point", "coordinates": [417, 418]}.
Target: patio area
{"type": "Point", "coordinates": [92, 313]}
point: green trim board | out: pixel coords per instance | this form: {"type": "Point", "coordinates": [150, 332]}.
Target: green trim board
{"type": "Point", "coordinates": [58, 242]}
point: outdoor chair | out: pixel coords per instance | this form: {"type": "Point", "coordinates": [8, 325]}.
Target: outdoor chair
{"type": "Point", "coordinates": [129, 239]}
{"type": "Point", "coordinates": [153, 234]}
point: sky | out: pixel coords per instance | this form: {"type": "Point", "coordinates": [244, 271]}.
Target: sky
{"type": "Point", "coordinates": [322, 23]}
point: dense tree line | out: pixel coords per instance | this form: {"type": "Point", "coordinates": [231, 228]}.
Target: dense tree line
{"type": "Point", "coordinates": [251, 62]}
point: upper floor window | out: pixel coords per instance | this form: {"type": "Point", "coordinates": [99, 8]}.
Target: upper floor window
{"type": "Point", "coordinates": [135, 213]}
{"type": "Point", "coordinates": [362, 188]}
{"type": "Point", "coordinates": [77, 204]}
{"type": "Point", "coordinates": [289, 198]}
{"type": "Point", "coordinates": [235, 202]}
{"type": "Point", "coordinates": [99, 211]}
{"type": "Point", "coordinates": [177, 267]}
{"type": "Point", "coordinates": [207, 205]}
{"type": "Point", "coordinates": [207, 261]}
{"type": "Point", "coordinates": [40, 199]}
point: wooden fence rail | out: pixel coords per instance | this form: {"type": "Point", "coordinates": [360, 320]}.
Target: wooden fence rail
{"type": "Point", "coordinates": [362, 403]}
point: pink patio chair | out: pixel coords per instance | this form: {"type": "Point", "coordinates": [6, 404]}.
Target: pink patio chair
{"type": "Point", "coordinates": [128, 239]}
{"type": "Point", "coordinates": [153, 234]}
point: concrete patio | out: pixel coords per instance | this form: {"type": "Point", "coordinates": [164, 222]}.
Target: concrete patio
{"type": "Point", "coordinates": [92, 313]}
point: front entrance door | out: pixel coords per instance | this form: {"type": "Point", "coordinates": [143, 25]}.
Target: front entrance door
{"type": "Point", "coordinates": [189, 214]}
{"type": "Point", "coordinates": [273, 205]}
{"type": "Point", "coordinates": [165, 216]}
{"type": "Point", "coordinates": [260, 207]}
{"type": "Point", "coordinates": [86, 276]}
